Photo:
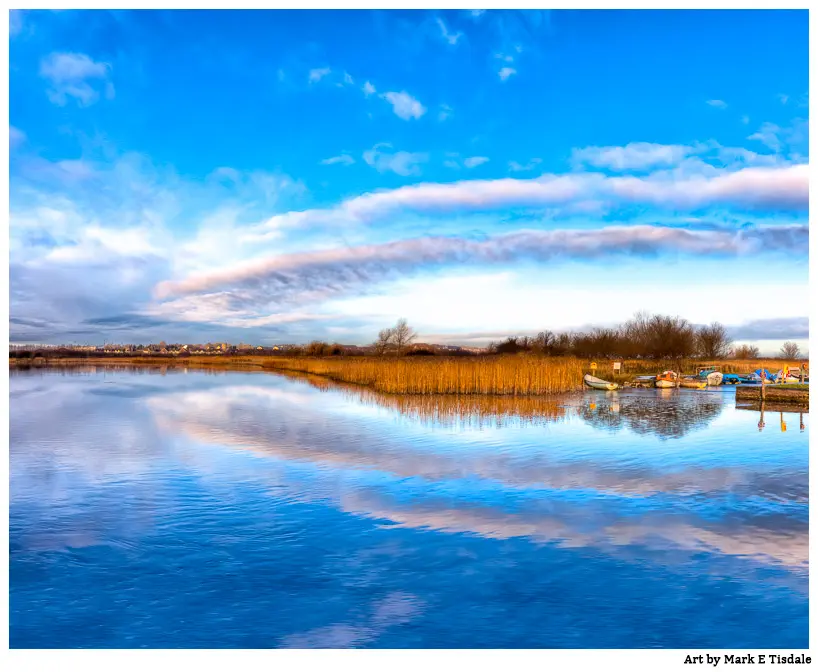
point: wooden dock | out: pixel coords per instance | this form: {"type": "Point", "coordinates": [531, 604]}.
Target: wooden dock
{"type": "Point", "coordinates": [784, 394]}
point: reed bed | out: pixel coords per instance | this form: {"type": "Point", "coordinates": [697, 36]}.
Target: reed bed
{"type": "Point", "coordinates": [472, 410]}
{"type": "Point", "coordinates": [513, 375]}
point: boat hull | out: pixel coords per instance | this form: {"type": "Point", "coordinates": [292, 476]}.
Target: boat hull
{"type": "Point", "coordinates": [599, 384]}
{"type": "Point", "coordinates": [665, 383]}
{"type": "Point", "coordinates": [694, 384]}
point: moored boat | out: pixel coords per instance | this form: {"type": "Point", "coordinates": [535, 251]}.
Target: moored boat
{"type": "Point", "coordinates": [666, 379]}
{"type": "Point", "coordinates": [710, 374]}
{"type": "Point", "coordinates": [598, 383]}
{"type": "Point", "coordinates": [693, 383]}
{"type": "Point", "coordinates": [714, 378]}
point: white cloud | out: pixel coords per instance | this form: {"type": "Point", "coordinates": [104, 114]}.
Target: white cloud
{"type": "Point", "coordinates": [96, 242]}
{"type": "Point", "coordinates": [317, 74]}
{"type": "Point", "coordinates": [506, 72]}
{"type": "Point", "coordinates": [476, 13]}
{"type": "Point", "coordinates": [777, 187]}
{"type": "Point", "coordinates": [404, 105]}
{"type": "Point", "coordinates": [16, 137]}
{"type": "Point", "coordinates": [71, 75]}
{"type": "Point", "coordinates": [520, 167]}
{"type": "Point", "coordinates": [401, 163]}
{"type": "Point", "coordinates": [474, 161]}
{"type": "Point", "coordinates": [445, 112]}
{"type": "Point", "coordinates": [451, 38]}
{"type": "Point", "coordinates": [343, 159]}
{"type": "Point", "coordinates": [348, 79]}
{"type": "Point", "coordinates": [368, 89]}
{"type": "Point", "coordinates": [792, 139]}
{"type": "Point", "coordinates": [768, 135]}
{"type": "Point", "coordinates": [720, 104]}
{"type": "Point", "coordinates": [340, 270]}
{"type": "Point", "coordinates": [633, 156]}
{"type": "Point", "coordinates": [745, 119]}
{"type": "Point", "coordinates": [783, 97]}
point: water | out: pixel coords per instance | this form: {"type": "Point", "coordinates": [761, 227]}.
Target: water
{"type": "Point", "coordinates": [252, 510]}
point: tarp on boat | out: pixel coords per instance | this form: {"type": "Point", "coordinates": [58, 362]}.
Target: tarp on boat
{"type": "Point", "coordinates": [767, 374]}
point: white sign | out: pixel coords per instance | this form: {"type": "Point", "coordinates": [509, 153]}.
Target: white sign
{"type": "Point", "coordinates": [617, 366]}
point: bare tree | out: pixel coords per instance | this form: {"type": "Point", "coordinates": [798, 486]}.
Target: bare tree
{"type": "Point", "coordinates": [402, 335]}
{"type": "Point", "coordinates": [746, 352]}
{"type": "Point", "coordinates": [790, 350]}
{"type": "Point", "coordinates": [384, 342]}
{"type": "Point", "coordinates": [712, 341]}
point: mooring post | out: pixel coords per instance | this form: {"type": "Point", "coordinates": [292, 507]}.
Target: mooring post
{"type": "Point", "coordinates": [761, 419]}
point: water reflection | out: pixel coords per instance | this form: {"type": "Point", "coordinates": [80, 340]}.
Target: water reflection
{"type": "Point", "coordinates": [224, 478]}
{"type": "Point", "coordinates": [665, 413]}
{"type": "Point", "coordinates": [669, 414]}
{"type": "Point", "coordinates": [253, 418]}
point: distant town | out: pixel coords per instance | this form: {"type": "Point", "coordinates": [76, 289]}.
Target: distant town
{"type": "Point", "coordinates": [163, 348]}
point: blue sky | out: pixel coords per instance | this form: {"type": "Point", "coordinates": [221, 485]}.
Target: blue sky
{"type": "Point", "coordinates": [272, 176]}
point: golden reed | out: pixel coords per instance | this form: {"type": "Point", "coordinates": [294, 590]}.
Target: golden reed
{"type": "Point", "coordinates": [512, 375]}
{"type": "Point", "coordinates": [472, 410]}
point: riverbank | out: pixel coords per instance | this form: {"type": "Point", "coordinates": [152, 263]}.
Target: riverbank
{"type": "Point", "coordinates": [516, 375]}
{"type": "Point", "coordinates": [504, 375]}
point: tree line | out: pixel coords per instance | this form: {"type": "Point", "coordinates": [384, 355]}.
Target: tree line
{"type": "Point", "coordinates": [644, 336]}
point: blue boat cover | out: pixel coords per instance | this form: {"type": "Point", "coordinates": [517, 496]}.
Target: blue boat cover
{"type": "Point", "coordinates": [766, 372]}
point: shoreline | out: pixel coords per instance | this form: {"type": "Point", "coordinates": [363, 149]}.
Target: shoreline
{"type": "Point", "coordinates": [504, 375]}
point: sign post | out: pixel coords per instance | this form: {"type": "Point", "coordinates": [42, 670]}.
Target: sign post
{"type": "Point", "coordinates": [593, 368]}
{"type": "Point", "coordinates": [617, 367]}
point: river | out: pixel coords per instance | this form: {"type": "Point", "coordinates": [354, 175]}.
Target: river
{"type": "Point", "coordinates": [237, 509]}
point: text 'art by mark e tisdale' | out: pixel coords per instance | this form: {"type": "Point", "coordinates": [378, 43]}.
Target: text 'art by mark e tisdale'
{"type": "Point", "coordinates": [749, 659]}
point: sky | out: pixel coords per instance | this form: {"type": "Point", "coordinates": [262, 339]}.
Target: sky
{"type": "Point", "coordinates": [283, 176]}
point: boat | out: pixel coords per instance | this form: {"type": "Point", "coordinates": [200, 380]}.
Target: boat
{"type": "Point", "coordinates": [762, 376]}
{"type": "Point", "coordinates": [598, 383]}
{"type": "Point", "coordinates": [693, 383]}
{"type": "Point", "coordinates": [714, 378]}
{"type": "Point", "coordinates": [666, 379]}
{"type": "Point", "coordinates": [787, 379]}
{"type": "Point", "coordinates": [710, 374]}
{"type": "Point", "coordinates": [731, 379]}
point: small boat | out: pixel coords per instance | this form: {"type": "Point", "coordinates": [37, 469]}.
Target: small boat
{"type": "Point", "coordinates": [787, 379]}
{"type": "Point", "coordinates": [714, 378]}
{"type": "Point", "coordinates": [709, 373]}
{"type": "Point", "coordinates": [598, 383]}
{"type": "Point", "coordinates": [666, 379]}
{"type": "Point", "coordinates": [731, 379]}
{"type": "Point", "coordinates": [693, 383]}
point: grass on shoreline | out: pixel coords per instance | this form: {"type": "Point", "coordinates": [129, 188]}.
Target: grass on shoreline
{"type": "Point", "coordinates": [516, 375]}
{"type": "Point", "coordinates": [479, 375]}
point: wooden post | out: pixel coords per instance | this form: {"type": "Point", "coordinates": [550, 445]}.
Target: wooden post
{"type": "Point", "coordinates": [763, 384]}
{"type": "Point", "coordinates": [761, 419]}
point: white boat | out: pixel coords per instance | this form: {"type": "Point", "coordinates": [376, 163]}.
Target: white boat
{"type": "Point", "coordinates": [598, 383]}
{"type": "Point", "coordinates": [666, 379]}
{"type": "Point", "coordinates": [714, 379]}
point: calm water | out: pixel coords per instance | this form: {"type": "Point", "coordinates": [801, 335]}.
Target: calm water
{"type": "Point", "coordinates": [252, 510]}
